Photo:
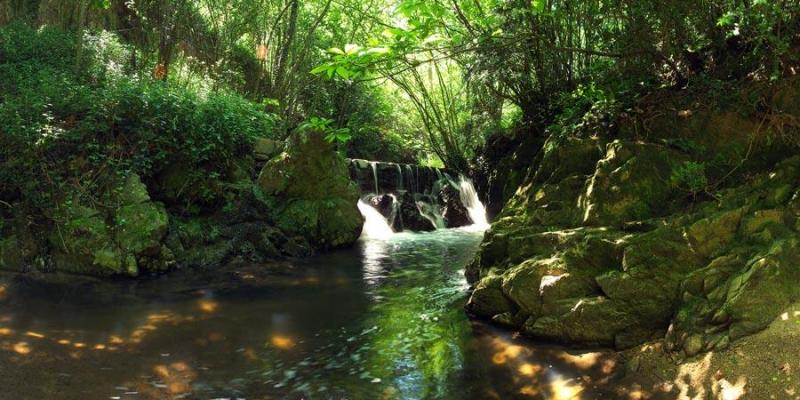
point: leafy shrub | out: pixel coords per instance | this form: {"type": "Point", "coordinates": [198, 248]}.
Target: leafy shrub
{"type": "Point", "coordinates": [584, 111]}
{"type": "Point", "coordinates": [63, 133]}
{"type": "Point", "coordinates": [690, 176]}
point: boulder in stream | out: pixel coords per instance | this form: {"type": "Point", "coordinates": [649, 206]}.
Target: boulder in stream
{"type": "Point", "coordinates": [310, 193]}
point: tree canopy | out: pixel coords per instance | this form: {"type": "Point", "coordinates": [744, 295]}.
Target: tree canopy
{"type": "Point", "coordinates": [418, 80]}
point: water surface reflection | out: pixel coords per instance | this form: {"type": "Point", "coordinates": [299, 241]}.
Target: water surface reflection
{"type": "Point", "coordinates": [381, 321]}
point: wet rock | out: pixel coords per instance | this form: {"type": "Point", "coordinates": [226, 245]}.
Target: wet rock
{"type": "Point", "coordinates": [385, 204]}
{"type": "Point", "coordinates": [409, 215]}
{"type": "Point", "coordinates": [487, 298]}
{"type": "Point", "coordinates": [453, 211]}
{"type": "Point", "coordinates": [311, 192]}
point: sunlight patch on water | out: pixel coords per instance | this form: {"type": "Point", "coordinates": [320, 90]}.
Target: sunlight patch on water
{"type": "Point", "coordinates": [565, 389]}
{"type": "Point", "coordinates": [282, 342]}
{"type": "Point", "coordinates": [208, 306]}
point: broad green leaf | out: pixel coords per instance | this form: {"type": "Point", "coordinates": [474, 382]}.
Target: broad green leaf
{"type": "Point", "coordinates": [378, 50]}
{"type": "Point", "coordinates": [335, 50]}
{"type": "Point", "coordinates": [320, 69]}
{"type": "Point", "coordinates": [351, 49]}
{"type": "Point", "coordinates": [538, 6]}
{"type": "Point", "coordinates": [343, 72]}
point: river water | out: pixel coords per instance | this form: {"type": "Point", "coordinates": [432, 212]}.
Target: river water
{"type": "Point", "coordinates": [383, 320]}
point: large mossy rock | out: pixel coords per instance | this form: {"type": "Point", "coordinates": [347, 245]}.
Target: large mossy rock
{"type": "Point", "coordinates": [123, 240]}
{"type": "Point", "coordinates": [698, 277]}
{"type": "Point", "coordinates": [631, 183]}
{"type": "Point", "coordinates": [311, 192]}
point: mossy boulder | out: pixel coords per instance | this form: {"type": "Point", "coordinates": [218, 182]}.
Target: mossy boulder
{"type": "Point", "coordinates": [549, 195]}
{"type": "Point", "coordinates": [11, 255]}
{"type": "Point", "coordinates": [83, 243]}
{"type": "Point", "coordinates": [646, 266]}
{"type": "Point", "coordinates": [632, 182]}
{"type": "Point", "coordinates": [123, 240]}
{"type": "Point", "coordinates": [311, 193]}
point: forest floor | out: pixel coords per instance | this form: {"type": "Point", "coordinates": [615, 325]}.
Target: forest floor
{"type": "Point", "coordinates": [762, 366]}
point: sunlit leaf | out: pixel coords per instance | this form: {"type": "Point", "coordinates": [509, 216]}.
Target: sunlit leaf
{"type": "Point", "coordinates": [538, 6]}
{"type": "Point", "coordinates": [351, 49]}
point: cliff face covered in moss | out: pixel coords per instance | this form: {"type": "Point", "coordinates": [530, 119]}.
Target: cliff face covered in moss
{"type": "Point", "coordinates": [682, 223]}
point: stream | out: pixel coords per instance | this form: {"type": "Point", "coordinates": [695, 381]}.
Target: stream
{"type": "Point", "coordinates": [383, 320]}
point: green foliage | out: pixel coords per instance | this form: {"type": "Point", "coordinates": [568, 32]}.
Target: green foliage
{"type": "Point", "coordinates": [690, 176]}
{"type": "Point", "coordinates": [587, 110]}
{"type": "Point", "coordinates": [325, 125]}
{"type": "Point", "coordinates": [65, 133]}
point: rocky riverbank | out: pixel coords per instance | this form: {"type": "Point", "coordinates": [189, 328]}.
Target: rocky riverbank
{"type": "Point", "coordinates": [302, 200]}
{"type": "Point", "coordinates": [686, 231]}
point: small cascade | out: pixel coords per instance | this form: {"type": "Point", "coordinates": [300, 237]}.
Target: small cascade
{"type": "Point", "coordinates": [413, 183]}
{"type": "Point", "coordinates": [404, 197]}
{"type": "Point", "coordinates": [395, 214]}
{"type": "Point", "coordinates": [375, 225]}
{"type": "Point", "coordinates": [432, 212]}
{"type": "Point", "coordinates": [470, 200]}
{"type": "Point", "coordinates": [399, 177]}
{"type": "Point", "coordinates": [374, 166]}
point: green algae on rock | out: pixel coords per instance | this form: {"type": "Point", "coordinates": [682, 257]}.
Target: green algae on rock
{"type": "Point", "coordinates": [614, 260]}
{"type": "Point", "coordinates": [311, 193]}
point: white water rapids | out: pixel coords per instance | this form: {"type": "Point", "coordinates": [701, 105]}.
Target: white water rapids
{"type": "Point", "coordinates": [376, 226]}
{"type": "Point", "coordinates": [470, 200]}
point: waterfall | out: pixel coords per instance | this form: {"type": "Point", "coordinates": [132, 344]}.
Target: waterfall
{"type": "Point", "coordinates": [395, 214]}
{"type": "Point", "coordinates": [374, 166]}
{"type": "Point", "coordinates": [375, 225]}
{"type": "Point", "coordinates": [399, 177]}
{"type": "Point", "coordinates": [413, 185]}
{"type": "Point", "coordinates": [432, 213]}
{"type": "Point", "coordinates": [470, 200]}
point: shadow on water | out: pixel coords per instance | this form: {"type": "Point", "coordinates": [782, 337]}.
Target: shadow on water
{"type": "Point", "coordinates": [381, 321]}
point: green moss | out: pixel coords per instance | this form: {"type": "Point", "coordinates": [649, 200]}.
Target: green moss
{"type": "Point", "coordinates": [11, 257]}
{"type": "Point", "coordinates": [141, 227]}
{"type": "Point", "coordinates": [310, 194]}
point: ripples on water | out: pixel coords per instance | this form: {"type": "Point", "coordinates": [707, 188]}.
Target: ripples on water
{"type": "Point", "coordinates": [381, 321]}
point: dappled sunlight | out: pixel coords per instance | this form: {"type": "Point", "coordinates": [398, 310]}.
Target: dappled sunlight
{"type": "Point", "coordinates": [506, 351]}
{"type": "Point", "coordinates": [725, 390]}
{"type": "Point", "coordinates": [691, 377]}
{"type": "Point", "coordinates": [208, 306]}
{"type": "Point", "coordinates": [21, 348]}
{"type": "Point", "coordinates": [582, 361]}
{"type": "Point", "coordinates": [35, 335]}
{"type": "Point", "coordinates": [3, 292]}
{"type": "Point", "coordinates": [282, 342]}
{"type": "Point", "coordinates": [176, 378]}
{"type": "Point", "coordinates": [529, 370]}
{"type": "Point", "coordinates": [565, 389]}
{"type": "Point", "coordinates": [530, 391]}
